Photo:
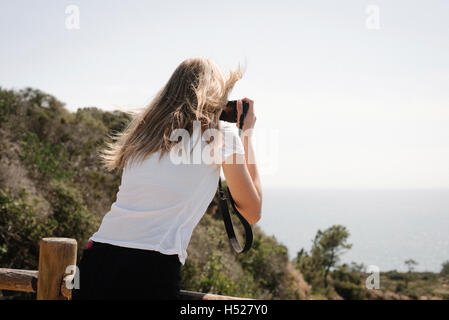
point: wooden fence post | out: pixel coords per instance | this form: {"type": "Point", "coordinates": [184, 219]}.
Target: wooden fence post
{"type": "Point", "coordinates": [55, 255]}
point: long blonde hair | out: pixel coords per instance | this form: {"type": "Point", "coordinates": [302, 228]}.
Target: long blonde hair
{"type": "Point", "coordinates": [197, 90]}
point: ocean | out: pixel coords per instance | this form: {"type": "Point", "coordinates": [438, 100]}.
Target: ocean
{"type": "Point", "coordinates": [386, 227]}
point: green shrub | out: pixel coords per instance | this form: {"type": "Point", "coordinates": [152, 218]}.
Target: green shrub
{"type": "Point", "coordinates": [70, 217]}
{"type": "Point", "coordinates": [20, 231]}
{"type": "Point", "coordinates": [46, 159]}
{"type": "Point", "coordinates": [266, 263]}
{"type": "Point", "coordinates": [397, 276]}
{"type": "Point", "coordinates": [349, 291]}
{"type": "Point", "coordinates": [348, 283]}
{"type": "Point", "coordinates": [214, 279]}
{"type": "Point", "coordinates": [8, 105]}
{"type": "Point", "coordinates": [400, 287]}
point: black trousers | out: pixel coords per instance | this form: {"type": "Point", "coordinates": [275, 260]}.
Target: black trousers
{"type": "Point", "coordinates": [112, 272]}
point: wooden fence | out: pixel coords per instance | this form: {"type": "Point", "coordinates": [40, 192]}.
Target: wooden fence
{"type": "Point", "coordinates": [56, 273]}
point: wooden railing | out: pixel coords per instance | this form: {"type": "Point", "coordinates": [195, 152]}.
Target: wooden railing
{"type": "Point", "coordinates": [56, 272]}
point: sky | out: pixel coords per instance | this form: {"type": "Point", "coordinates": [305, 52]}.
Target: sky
{"type": "Point", "coordinates": [348, 94]}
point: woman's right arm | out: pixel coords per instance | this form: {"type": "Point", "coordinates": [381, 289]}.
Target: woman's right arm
{"type": "Point", "coordinates": [242, 175]}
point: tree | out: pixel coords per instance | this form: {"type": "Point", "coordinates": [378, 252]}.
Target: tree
{"type": "Point", "coordinates": [445, 269]}
{"type": "Point", "coordinates": [310, 267]}
{"type": "Point", "coordinates": [358, 267]}
{"type": "Point", "coordinates": [410, 263]}
{"type": "Point", "coordinates": [327, 247]}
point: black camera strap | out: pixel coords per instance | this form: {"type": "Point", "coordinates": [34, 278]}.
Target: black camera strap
{"type": "Point", "coordinates": [224, 210]}
{"type": "Point", "coordinates": [224, 207]}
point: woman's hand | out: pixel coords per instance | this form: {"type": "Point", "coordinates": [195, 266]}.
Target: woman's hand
{"type": "Point", "coordinates": [250, 119]}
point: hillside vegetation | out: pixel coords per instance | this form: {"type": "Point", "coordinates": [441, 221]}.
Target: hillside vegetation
{"type": "Point", "coordinates": [52, 184]}
{"type": "Point", "coordinates": [331, 280]}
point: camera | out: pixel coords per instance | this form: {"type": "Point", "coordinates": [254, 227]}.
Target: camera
{"type": "Point", "coordinates": [229, 112]}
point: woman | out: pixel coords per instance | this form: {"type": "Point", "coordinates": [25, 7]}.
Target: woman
{"type": "Point", "coordinates": [141, 244]}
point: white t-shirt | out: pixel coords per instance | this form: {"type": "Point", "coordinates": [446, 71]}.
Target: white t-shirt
{"type": "Point", "coordinates": [159, 203]}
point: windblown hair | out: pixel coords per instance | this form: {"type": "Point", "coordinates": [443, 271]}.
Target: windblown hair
{"type": "Point", "coordinates": [197, 90]}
